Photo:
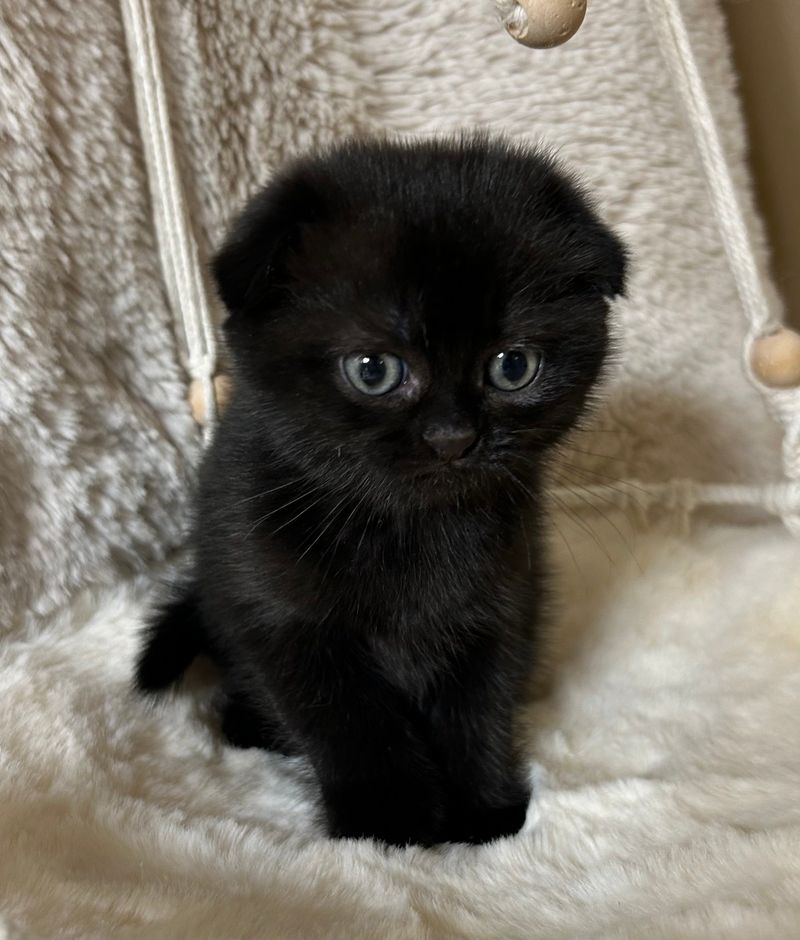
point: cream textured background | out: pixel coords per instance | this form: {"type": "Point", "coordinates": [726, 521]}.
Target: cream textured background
{"type": "Point", "coordinates": [666, 754]}
{"type": "Point", "coordinates": [97, 437]}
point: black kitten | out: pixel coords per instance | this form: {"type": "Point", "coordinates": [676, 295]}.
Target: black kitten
{"type": "Point", "coordinates": [413, 327]}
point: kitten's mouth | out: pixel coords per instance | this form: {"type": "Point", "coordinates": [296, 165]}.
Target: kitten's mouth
{"type": "Point", "coordinates": [440, 469]}
{"type": "Point", "coordinates": [443, 466]}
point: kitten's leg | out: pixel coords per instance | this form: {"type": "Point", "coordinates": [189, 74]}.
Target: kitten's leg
{"type": "Point", "coordinates": [172, 639]}
{"type": "Point", "coordinates": [472, 723]}
{"type": "Point", "coordinates": [245, 725]}
{"type": "Point", "coordinates": [377, 777]}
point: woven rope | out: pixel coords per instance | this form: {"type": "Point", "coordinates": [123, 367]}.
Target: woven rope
{"type": "Point", "coordinates": [177, 247]}
{"type": "Point", "coordinates": [758, 308]}
{"type": "Point", "coordinates": [778, 499]}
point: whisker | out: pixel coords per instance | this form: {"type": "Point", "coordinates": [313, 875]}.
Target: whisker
{"type": "Point", "coordinates": [583, 525]}
{"type": "Point", "coordinates": [527, 543]}
{"type": "Point", "coordinates": [569, 438]}
{"type": "Point", "coordinates": [524, 527]}
{"type": "Point", "coordinates": [625, 495]}
{"type": "Point", "coordinates": [525, 490]}
{"type": "Point", "coordinates": [578, 568]}
{"type": "Point", "coordinates": [365, 528]}
{"type": "Point", "coordinates": [280, 508]}
{"type": "Point", "coordinates": [274, 489]}
{"type": "Point", "coordinates": [569, 448]}
{"type": "Point", "coordinates": [330, 517]}
{"type": "Point", "coordinates": [577, 489]}
{"type": "Point", "coordinates": [574, 485]}
{"type": "Point", "coordinates": [575, 432]}
{"type": "Point", "coordinates": [605, 479]}
{"type": "Point", "coordinates": [520, 484]}
{"type": "Point", "coordinates": [302, 512]}
{"type": "Point", "coordinates": [561, 535]}
{"type": "Point", "coordinates": [343, 527]}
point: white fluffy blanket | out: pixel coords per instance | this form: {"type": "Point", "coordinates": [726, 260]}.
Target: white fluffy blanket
{"type": "Point", "coordinates": [666, 760]}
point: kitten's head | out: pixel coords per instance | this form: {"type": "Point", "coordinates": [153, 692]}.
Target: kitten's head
{"type": "Point", "coordinates": [426, 318]}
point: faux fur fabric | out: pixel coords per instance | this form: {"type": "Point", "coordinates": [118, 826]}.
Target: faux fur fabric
{"type": "Point", "coordinates": [666, 759]}
{"type": "Point", "coordinates": [97, 438]}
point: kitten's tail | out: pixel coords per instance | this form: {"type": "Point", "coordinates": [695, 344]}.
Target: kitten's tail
{"type": "Point", "coordinates": [173, 639]}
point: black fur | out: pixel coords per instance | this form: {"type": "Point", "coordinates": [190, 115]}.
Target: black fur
{"type": "Point", "coordinates": [370, 603]}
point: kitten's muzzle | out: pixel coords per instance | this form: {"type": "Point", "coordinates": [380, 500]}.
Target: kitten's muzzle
{"type": "Point", "coordinates": [449, 442]}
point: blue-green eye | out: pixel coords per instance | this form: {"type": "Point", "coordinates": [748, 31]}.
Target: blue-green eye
{"type": "Point", "coordinates": [513, 369]}
{"type": "Point", "coordinates": [374, 373]}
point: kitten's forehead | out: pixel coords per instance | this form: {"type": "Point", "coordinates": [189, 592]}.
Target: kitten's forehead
{"type": "Point", "coordinates": [459, 301]}
{"type": "Point", "coordinates": [429, 282]}
{"type": "Point", "coordinates": [444, 239]}
{"type": "Point", "coordinates": [446, 250]}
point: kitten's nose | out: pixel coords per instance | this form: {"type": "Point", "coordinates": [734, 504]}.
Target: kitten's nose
{"type": "Point", "coordinates": [448, 441]}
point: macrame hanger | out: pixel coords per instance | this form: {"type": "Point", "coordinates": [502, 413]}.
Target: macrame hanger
{"type": "Point", "coordinates": [677, 51]}
{"type": "Point", "coordinates": [772, 352]}
{"type": "Point", "coordinates": [186, 287]}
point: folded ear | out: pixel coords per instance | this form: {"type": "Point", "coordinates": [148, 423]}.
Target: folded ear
{"type": "Point", "coordinates": [599, 258]}
{"type": "Point", "coordinates": [250, 260]}
{"type": "Point", "coordinates": [609, 269]}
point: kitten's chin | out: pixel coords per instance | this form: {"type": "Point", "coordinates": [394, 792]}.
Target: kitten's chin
{"type": "Point", "coordinates": [440, 471]}
{"type": "Point", "coordinates": [437, 484]}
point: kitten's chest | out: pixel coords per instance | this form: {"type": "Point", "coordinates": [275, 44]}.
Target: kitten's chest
{"type": "Point", "coordinates": [423, 615]}
{"type": "Point", "coordinates": [422, 585]}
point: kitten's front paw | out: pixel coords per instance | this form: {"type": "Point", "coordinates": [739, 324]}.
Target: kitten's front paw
{"type": "Point", "coordinates": [390, 814]}
{"type": "Point", "coordinates": [478, 824]}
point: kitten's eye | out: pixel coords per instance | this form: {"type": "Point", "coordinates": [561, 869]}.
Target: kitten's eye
{"type": "Point", "coordinates": [374, 373]}
{"type": "Point", "coordinates": [514, 368]}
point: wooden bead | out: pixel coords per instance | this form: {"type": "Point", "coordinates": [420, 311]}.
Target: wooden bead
{"type": "Point", "coordinates": [546, 23]}
{"type": "Point", "coordinates": [222, 390]}
{"type": "Point", "coordinates": [776, 359]}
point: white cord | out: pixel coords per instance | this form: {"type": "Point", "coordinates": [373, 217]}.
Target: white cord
{"type": "Point", "coordinates": [677, 51]}
{"type": "Point", "coordinates": [511, 14]}
{"type": "Point", "coordinates": [779, 499]}
{"type": "Point", "coordinates": [177, 247]}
